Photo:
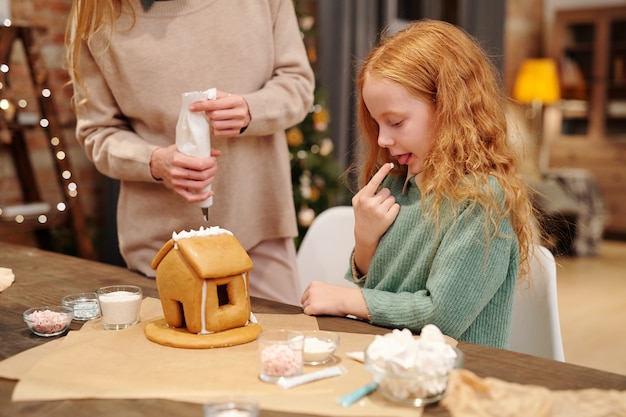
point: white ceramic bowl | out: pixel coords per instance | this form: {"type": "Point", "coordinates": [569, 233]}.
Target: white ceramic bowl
{"type": "Point", "coordinates": [319, 346]}
{"type": "Point", "coordinates": [49, 321]}
{"type": "Point", "coordinates": [412, 386]}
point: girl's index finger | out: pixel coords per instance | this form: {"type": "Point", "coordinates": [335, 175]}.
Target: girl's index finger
{"type": "Point", "coordinates": [379, 177]}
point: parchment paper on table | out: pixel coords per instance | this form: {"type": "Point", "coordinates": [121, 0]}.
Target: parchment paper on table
{"type": "Point", "coordinates": [6, 278]}
{"type": "Point", "coordinates": [468, 395]}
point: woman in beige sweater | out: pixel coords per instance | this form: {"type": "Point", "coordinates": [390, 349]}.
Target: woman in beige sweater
{"type": "Point", "coordinates": [130, 61]}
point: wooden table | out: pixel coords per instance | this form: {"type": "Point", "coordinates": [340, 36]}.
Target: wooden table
{"type": "Point", "coordinates": [44, 278]}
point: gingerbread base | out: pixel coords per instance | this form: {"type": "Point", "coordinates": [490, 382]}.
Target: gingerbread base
{"type": "Point", "coordinates": [159, 332]}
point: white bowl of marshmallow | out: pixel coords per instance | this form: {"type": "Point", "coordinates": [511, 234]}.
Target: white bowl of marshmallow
{"type": "Point", "coordinates": [412, 370]}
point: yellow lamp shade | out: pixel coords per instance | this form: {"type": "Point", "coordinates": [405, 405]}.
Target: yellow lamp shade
{"type": "Point", "coordinates": [537, 80]}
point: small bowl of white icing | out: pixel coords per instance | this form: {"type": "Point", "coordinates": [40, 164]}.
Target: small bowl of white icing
{"type": "Point", "coordinates": [119, 306]}
{"type": "Point", "coordinates": [319, 346]}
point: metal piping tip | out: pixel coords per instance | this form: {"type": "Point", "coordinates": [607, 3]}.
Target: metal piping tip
{"type": "Point", "coordinates": [205, 213]}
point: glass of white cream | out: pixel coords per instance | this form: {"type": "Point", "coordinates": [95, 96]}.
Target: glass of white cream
{"type": "Point", "coordinates": [119, 306]}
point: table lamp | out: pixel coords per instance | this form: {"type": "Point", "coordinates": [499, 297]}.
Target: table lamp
{"type": "Point", "coordinates": [536, 85]}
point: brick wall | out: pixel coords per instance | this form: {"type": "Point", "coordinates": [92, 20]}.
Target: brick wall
{"type": "Point", "coordinates": [49, 17]}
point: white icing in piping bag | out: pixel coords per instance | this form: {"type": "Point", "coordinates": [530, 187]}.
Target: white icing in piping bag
{"type": "Point", "coordinates": [193, 134]}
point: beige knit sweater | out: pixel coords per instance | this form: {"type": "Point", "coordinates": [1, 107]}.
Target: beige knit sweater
{"type": "Point", "coordinates": [251, 48]}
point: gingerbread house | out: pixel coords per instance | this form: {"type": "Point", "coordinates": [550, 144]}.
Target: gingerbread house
{"type": "Point", "coordinates": [202, 280]}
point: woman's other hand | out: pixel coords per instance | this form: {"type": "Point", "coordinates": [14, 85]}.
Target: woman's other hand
{"type": "Point", "coordinates": [228, 114]}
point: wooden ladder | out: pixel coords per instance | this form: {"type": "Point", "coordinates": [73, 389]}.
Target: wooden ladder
{"type": "Point", "coordinates": [35, 214]}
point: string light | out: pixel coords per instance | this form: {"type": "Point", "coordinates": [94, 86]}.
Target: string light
{"type": "Point", "coordinates": [7, 106]}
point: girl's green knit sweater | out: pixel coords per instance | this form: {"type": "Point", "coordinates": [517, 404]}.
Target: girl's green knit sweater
{"type": "Point", "coordinates": [459, 279]}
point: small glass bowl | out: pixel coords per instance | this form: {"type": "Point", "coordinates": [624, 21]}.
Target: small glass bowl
{"type": "Point", "coordinates": [48, 321]}
{"type": "Point", "coordinates": [240, 406]}
{"type": "Point", "coordinates": [84, 304]}
{"type": "Point", "coordinates": [319, 346]}
{"type": "Point", "coordinates": [413, 386]}
{"type": "Point", "coordinates": [280, 354]}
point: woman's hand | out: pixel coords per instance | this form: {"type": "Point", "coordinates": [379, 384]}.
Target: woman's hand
{"type": "Point", "coordinates": [227, 114]}
{"type": "Point", "coordinates": [321, 298]}
{"type": "Point", "coordinates": [375, 209]}
{"type": "Point", "coordinates": [186, 175]}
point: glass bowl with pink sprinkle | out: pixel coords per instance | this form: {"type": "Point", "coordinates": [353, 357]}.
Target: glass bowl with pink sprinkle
{"type": "Point", "coordinates": [48, 321]}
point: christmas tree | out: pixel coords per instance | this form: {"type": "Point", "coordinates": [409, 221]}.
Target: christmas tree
{"type": "Point", "coordinates": [315, 172]}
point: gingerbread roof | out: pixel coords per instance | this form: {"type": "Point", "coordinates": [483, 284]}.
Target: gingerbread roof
{"type": "Point", "coordinates": [210, 256]}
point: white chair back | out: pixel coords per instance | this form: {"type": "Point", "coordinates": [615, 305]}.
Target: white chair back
{"type": "Point", "coordinates": [535, 327]}
{"type": "Point", "coordinates": [324, 253]}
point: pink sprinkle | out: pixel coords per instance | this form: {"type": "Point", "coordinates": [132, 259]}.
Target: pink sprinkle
{"type": "Point", "coordinates": [280, 360]}
{"type": "Point", "coordinates": [46, 321]}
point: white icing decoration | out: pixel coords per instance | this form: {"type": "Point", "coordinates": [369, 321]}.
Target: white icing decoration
{"type": "Point", "coordinates": [203, 231]}
{"type": "Point", "coordinates": [202, 310]}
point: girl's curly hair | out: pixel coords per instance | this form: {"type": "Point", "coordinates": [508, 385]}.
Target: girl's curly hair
{"type": "Point", "coordinates": [438, 62]}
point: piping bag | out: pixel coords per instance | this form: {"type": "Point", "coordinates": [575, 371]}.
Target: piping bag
{"type": "Point", "coordinates": [193, 135]}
